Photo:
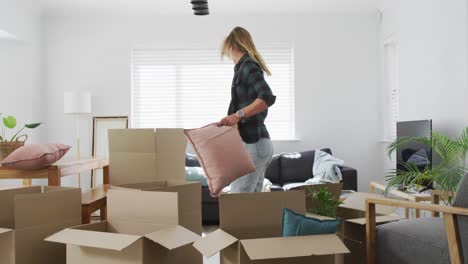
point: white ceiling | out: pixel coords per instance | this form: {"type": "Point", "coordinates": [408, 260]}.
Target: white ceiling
{"type": "Point", "coordinates": [219, 6]}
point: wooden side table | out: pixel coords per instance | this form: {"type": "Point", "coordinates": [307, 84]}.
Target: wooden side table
{"type": "Point", "coordinates": [54, 173]}
{"type": "Point", "coordinates": [93, 200]}
{"type": "Point", "coordinates": [412, 197]}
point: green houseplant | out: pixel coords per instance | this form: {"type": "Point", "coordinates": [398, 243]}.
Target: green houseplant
{"type": "Point", "coordinates": [324, 202]}
{"type": "Point", "coordinates": [9, 144]}
{"type": "Point", "coordinates": [445, 175]}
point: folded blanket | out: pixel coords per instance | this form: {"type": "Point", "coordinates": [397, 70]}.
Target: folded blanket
{"type": "Point", "coordinates": [325, 169]}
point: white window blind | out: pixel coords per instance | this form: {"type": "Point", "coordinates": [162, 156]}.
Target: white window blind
{"type": "Point", "coordinates": [192, 88]}
{"type": "Point", "coordinates": [392, 93]}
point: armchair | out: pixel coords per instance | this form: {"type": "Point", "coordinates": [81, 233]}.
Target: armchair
{"type": "Point", "coordinates": [424, 240]}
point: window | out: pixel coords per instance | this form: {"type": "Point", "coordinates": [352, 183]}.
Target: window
{"type": "Point", "coordinates": [192, 88]}
{"type": "Point", "coordinates": [392, 92]}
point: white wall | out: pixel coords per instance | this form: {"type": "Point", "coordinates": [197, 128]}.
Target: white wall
{"type": "Point", "coordinates": [431, 37]}
{"type": "Point", "coordinates": [20, 65]}
{"type": "Point", "coordinates": [20, 61]}
{"type": "Point", "coordinates": [336, 65]}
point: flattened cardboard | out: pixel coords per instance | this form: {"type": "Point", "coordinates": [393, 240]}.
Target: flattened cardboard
{"type": "Point", "coordinates": [146, 155]}
{"type": "Point", "coordinates": [241, 214]}
{"type": "Point", "coordinates": [382, 219]}
{"type": "Point", "coordinates": [357, 201]}
{"type": "Point", "coordinates": [214, 243]}
{"type": "Point", "coordinates": [7, 246]}
{"type": "Point", "coordinates": [289, 247]}
{"type": "Point", "coordinates": [145, 207]}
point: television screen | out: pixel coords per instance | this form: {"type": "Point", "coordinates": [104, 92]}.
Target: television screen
{"type": "Point", "coordinates": [414, 152]}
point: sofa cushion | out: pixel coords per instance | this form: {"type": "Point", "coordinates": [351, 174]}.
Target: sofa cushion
{"type": "Point", "coordinates": [296, 167]}
{"type": "Point", "coordinates": [415, 241]}
{"type": "Point", "coordinates": [299, 225]}
{"type": "Point", "coordinates": [272, 172]}
{"type": "Point", "coordinates": [191, 160]}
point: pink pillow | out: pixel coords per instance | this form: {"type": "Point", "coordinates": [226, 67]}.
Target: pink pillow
{"type": "Point", "coordinates": [35, 156]}
{"type": "Point", "coordinates": [222, 154]}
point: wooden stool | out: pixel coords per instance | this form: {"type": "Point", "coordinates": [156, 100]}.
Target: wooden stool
{"type": "Point", "coordinates": [93, 200]}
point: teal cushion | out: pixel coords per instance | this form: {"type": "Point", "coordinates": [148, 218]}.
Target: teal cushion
{"type": "Point", "coordinates": [195, 174]}
{"type": "Point", "coordinates": [300, 225]}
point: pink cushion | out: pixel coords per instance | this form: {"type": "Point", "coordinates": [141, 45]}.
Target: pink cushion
{"type": "Point", "coordinates": [222, 154]}
{"type": "Point", "coordinates": [35, 156]}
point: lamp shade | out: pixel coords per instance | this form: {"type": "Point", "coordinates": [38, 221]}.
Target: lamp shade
{"type": "Point", "coordinates": [77, 103]}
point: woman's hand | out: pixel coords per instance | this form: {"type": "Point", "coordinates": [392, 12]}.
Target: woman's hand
{"type": "Point", "coordinates": [230, 120]}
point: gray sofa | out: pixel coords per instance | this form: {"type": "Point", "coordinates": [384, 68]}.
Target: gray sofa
{"type": "Point", "coordinates": [422, 240]}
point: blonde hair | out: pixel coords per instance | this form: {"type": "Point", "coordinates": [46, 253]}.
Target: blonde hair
{"type": "Point", "coordinates": [240, 39]}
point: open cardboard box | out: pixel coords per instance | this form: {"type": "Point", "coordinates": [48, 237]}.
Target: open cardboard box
{"type": "Point", "coordinates": [189, 199]}
{"type": "Point", "coordinates": [142, 227]}
{"type": "Point", "coordinates": [30, 214]}
{"type": "Point", "coordinates": [189, 206]}
{"type": "Point", "coordinates": [146, 155]}
{"type": "Point", "coordinates": [250, 232]}
{"type": "Point", "coordinates": [353, 228]}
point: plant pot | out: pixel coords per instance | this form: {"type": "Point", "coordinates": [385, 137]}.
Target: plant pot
{"type": "Point", "coordinates": [6, 148]}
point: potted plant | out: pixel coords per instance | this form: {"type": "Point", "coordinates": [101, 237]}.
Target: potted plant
{"type": "Point", "coordinates": [450, 153]}
{"type": "Point", "coordinates": [17, 140]}
{"type": "Point", "coordinates": [324, 204]}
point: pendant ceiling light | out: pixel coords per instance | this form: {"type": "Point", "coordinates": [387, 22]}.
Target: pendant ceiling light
{"type": "Point", "coordinates": [200, 7]}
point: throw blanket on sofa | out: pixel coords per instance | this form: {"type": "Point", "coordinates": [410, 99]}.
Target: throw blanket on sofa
{"type": "Point", "coordinates": [325, 169]}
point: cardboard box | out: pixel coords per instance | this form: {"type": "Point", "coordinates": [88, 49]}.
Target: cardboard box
{"type": "Point", "coordinates": [146, 155]}
{"type": "Point", "coordinates": [189, 200]}
{"type": "Point", "coordinates": [353, 228]}
{"type": "Point", "coordinates": [142, 227]}
{"type": "Point", "coordinates": [7, 246]}
{"type": "Point", "coordinates": [250, 232]}
{"type": "Point", "coordinates": [31, 214]}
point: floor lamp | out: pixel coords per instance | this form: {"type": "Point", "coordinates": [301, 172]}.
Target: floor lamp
{"type": "Point", "coordinates": [77, 104]}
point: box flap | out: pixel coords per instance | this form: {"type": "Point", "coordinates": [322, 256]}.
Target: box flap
{"type": "Point", "coordinates": [144, 155]}
{"type": "Point", "coordinates": [236, 212]}
{"type": "Point", "coordinates": [290, 247]}
{"type": "Point", "coordinates": [357, 201]}
{"type": "Point", "coordinates": [173, 237]}
{"type": "Point", "coordinates": [132, 153]}
{"type": "Point", "coordinates": [85, 238]}
{"type": "Point", "coordinates": [214, 243]}
{"type": "Point", "coordinates": [379, 219]}
{"type": "Point", "coordinates": [140, 206]}
{"type": "Point", "coordinates": [171, 144]}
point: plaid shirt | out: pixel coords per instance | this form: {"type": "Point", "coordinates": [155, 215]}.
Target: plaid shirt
{"type": "Point", "coordinates": [248, 85]}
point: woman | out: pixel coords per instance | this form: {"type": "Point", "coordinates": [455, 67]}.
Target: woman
{"type": "Point", "coordinates": [250, 98]}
